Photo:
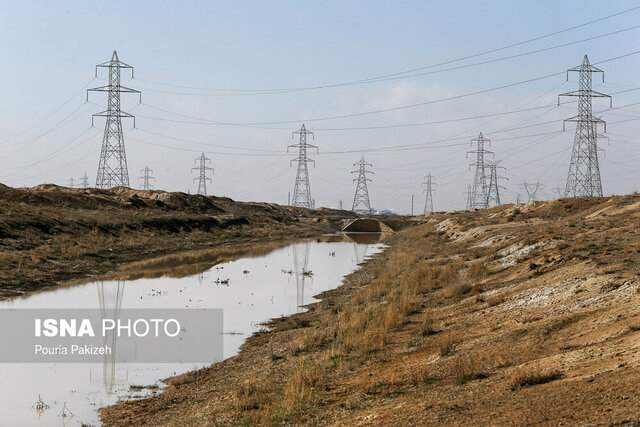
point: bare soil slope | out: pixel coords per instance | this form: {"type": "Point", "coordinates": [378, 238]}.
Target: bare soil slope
{"type": "Point", "coordinates": [51, 234]}
{"type": "Point", "coordinates": [524, 315]}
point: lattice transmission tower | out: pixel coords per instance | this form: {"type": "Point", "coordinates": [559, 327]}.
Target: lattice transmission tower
{"type": "Point", "coordinates": [493, 190]}
{"type": "Point", "coordinates": [84, 181]}
{"type": "Point", "coordinates": [112, 167]}
{"type": "Point", "coordinates": [531, 190]}
{"type": "Point", "coordinates": [147, 178]}
{"type": "Point", "coordinates": [428, 198]}
{"type": "Point", "coordinates": [480, 187]}
{"type": "Point", "coordinates": [203, 169]}
{"type": "Point", "coordinates": [72, 182]}
{"type": "Point", "coordinates": [302, 188]}
{"type": "Point", "coordinates": [361, 201]}
{"type": "Point", "coordinates": [583, 179]}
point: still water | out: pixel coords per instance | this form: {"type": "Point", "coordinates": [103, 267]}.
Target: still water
{"type": "Point", "coordinates": [250, 290]}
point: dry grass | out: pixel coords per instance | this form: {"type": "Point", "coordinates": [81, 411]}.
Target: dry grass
{"type": "Point", "coordinates": [528, 378]}
{"type": "Point", "coordinates": [446, 344]}
{"type": "Point", "coordinates": [467, 368]}
{"type": "Point", "coordinates": [299, 388]}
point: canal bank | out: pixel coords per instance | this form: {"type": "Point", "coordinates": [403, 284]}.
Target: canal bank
{"type": "Point", "coordinates": [51, 235]}
{"type": "Point", "coordinates": [516, 315]}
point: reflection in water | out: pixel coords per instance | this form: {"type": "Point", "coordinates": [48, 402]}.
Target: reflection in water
{"type": "Point", "coordinates": [110, 302]}
{"type": "Point", "coordinates": [301, 271]}
{"type": "Point", "coordinates": [257, 288]}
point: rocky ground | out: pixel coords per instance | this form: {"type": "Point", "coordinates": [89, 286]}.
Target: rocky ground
{"type": "Point", "coordinates": [517, 315]}
{"type": "Point", "coordinates": [50, 234]}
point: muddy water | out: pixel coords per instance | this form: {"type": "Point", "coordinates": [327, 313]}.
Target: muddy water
{"type": "Point", "coordinates": [259, 288]}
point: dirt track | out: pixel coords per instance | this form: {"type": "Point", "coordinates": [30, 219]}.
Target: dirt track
{"type": "Point", "coordinates": [50, 234]}
{"type": "Point", "coordinates": [513, 316]}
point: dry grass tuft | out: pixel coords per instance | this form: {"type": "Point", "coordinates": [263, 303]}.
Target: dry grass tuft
{"type": "Point", "coordinates": [428, 327]}
{"type": "Point", "coordinates": [446, 344]}
{"type": "Point", "coordinates": [467, 369]}
{"type": "Point", "coordinates": [526, 378]}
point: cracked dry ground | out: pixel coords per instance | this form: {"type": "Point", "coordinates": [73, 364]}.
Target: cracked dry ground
{"type": "Point", "coordinates": [513, 316]}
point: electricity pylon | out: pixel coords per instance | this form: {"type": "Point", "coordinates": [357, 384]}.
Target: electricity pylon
{"type": "Point", "coordinates": [478, 199]}
{"type": "Point", "coordinates": [84, 181]}
{"type": "Point", "coordinates": [468, 195]}
{"type": "Point", "coordinates": [302, 189]}
{"type": "Point", "coordinates": [112, 167]}
{"type": "Point", "coordinates": [493, 191]}
{"type": "Point", "coordinates": [146, 178]}
{"type": "Point", "coordinates": [532, 190]}
{"type": "Point", "coordinates": [583, 179]}
{"type": "Point", "coordinates": [203, 170]}
{"type": "Point", "coordinates": [428, 199]}
{"type": "Point", "coordinates": [72, 182]}
{"type": "Point", "coordinates": [361, 201]}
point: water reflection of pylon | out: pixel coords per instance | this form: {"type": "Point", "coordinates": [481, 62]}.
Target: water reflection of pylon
{"type": "Point", "coordinates": [301, 271]}
{"type": "Point", "coordinates": [110, 300]}
{"type": "Point", "coordinates": [360, 251]}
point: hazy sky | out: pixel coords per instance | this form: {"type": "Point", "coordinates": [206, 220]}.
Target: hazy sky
{"type": "Point", "coordinates": [185, 53]}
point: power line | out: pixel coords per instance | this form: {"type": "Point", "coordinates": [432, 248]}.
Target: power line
{"type": "Point", "coordinates": [410, 106]}
{"type": "Point", "coordinates": [377, 78]}
{"type": "Point", "coordinates": [442, 70]}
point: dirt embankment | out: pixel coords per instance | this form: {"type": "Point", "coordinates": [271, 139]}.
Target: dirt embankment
{"type": "Point", "coordinates": [511, 316]}
{"type": "Point", "coordinates": [51, 234]}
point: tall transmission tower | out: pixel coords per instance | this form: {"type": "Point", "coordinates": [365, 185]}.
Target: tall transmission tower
{"type": "Point", "coordinates": [112, 167]}
{"type": "Point", "coordinates": [72, 182]}
{"type": "Point", "coordinates": [583, 179]}
{"type": "Point", "coordinates": [146, 178]}
{"type": "Point", "coordinates": [361, 201]}
{"type": "Point", "coordinates": [493, 190]}
{"type": "Point", "coordinates": [84, 181]}
{"type": "Point", "coordinates": [428, 200]}
{"type": "Point", "coordinates": [203, 171]}
{"type": "Point", "coordinates": [302, 189]}
{"type": "Point", "coordinates": [532, 190]}
{"type": "Point", "coordinates": [468, 196]}
{"type": "Point", "coordinates": [478, 199]}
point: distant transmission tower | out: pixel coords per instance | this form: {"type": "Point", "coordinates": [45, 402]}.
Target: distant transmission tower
{"type": "Point", "coordinates": [532, 190]}
{"type": "Point", "coordinates": [493, 191]}
{"type": "Point", "coordinates": [84, 181]}
{"type": "Point", "coordinates": [428, 200]}
{"type": "Point", "coordinates": [112, 168]}
{"type": "Point", "coordinates": [583, 179]}
{"type": "Point", "coordinates": [146, 178]}
{"type": "Point", "coordinates": [478, 199]}
{"type": "Point", "coordinates": [302, 189]}
{"type": "Point", "coordinates": [203, 171]}
{"type": "Point", "coordinates": [361, 201]}
{"type": "Point", "coordinates": [72, 182]}
{"type": "Point", "coordinates": [468, 196]}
